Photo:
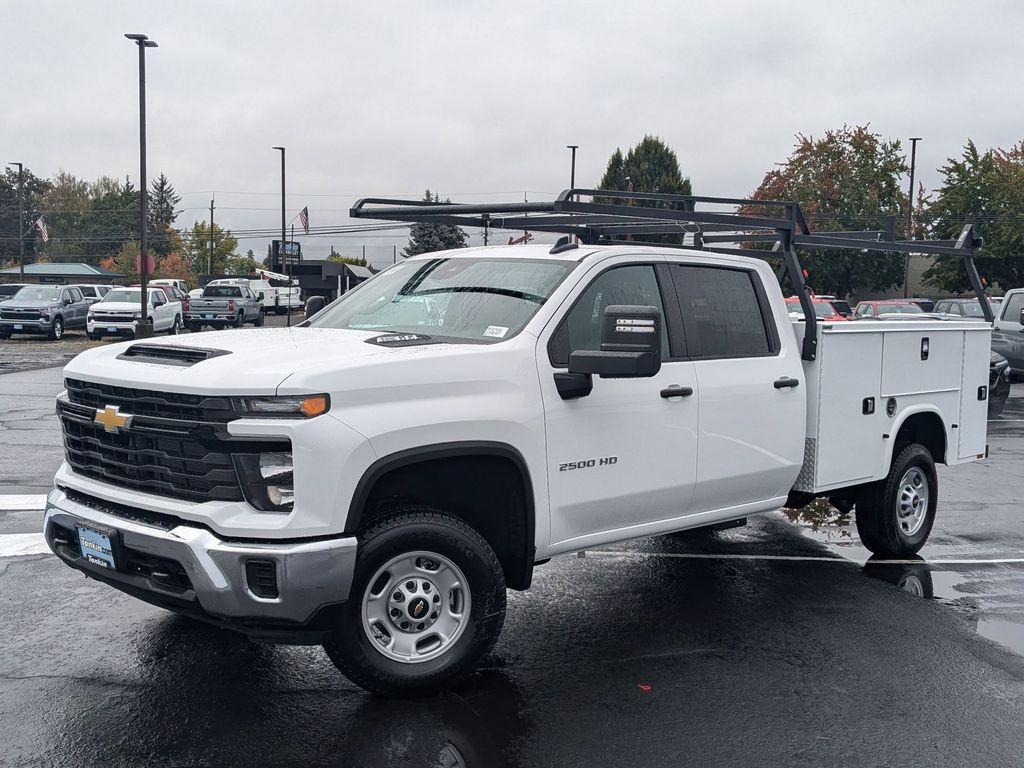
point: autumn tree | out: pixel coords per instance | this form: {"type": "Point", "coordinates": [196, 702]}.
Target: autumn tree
{"type": "Point", "coordinates": [425, 237]}
{"type": "Point", "coordinates": [195, 249]}
{"type": "Point", "coordinates": [849, 179]}
{"type": "Point", "coordinates": [987, 189]}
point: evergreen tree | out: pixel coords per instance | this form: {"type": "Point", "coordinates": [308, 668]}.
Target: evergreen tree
{"type": "Point", "coordinates": [427, 237]}
{"type": "Point", "coordinates": [162, 213]}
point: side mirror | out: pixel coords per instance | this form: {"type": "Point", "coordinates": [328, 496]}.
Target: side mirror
{"type": "Point", "coordinates": [1022, 316]}
{"type": "Point", "coordinates": [314, 304]}
{"type": "Point", "coordinates": [630, 345]}
{"type": "Point", "coordinates": [68, 301]}
{"type": "Point", "coordinates": [158, 302]}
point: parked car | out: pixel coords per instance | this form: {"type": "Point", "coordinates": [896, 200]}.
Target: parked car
{"type": "Point", "coordinates": [887, 307]}
{"type": "Point", "coordinates": [1008, 330]}
{"type": "Point", "coordinates": [998, 384]}
{"type": "Point", "coordinates": [49, 309]}
{"type": "Point", "coordinates": [7, 290]}
{"type": "Point", "coordinates": [174, 293]}
{"type": "Point", "coordinates": [223, 305]}
{"type": "Point", "coordinates": [121, 309]}
{"type": "Point", "coordinates": [93, 293]}
{"type": "Point", "coordinates": [163, 282]}
{"type": "Point", "coordinates": [824, 309]}
{"type": "Point", "coordinates": [970, 308]}
{"type": "Point", "coordinates": [375, 481]}
{"type": "Point", "coordinates": [926, 305]}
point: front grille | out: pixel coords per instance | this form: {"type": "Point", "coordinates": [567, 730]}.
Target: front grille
{"type": "Point", "coordinates": [169, 464]}
{"type": "Point", "coordinates": [142, 402]}
{"type": "Point", "coordinates": [20, 314]}
{"type": "Point", "coordinates": [112, 318]}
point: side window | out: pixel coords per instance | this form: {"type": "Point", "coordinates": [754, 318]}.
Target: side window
{"type": "Point", "coordinates": [581, 328]}
{"type": "Point", "coordinates": [724, 313]}
{"type": "Point", "coordinates": [957, 309]}
{"type": "Point", "coordinates": [1013, 307]}
{"type": "Point", "coordinates": [65, 295]}
{"type": "Point", "coordinates": [869, 310]}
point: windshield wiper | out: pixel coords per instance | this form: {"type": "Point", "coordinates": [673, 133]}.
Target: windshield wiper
{"type": "Point", "coordinates": [523, 295]}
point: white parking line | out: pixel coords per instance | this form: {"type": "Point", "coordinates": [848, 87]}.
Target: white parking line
{"type": "Point", "coordinates": [28, 502]}
{"type": "Point", "coordinates": [21, 544]}
{"type": "Point", "coordinates": [802, 558]}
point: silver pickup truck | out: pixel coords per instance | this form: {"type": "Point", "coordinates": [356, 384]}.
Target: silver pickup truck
{"type": "Point", "coordinates": [221, 306]}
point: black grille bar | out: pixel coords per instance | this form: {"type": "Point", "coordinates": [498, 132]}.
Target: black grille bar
{"type": "Point", "coordinates": [141, 402]}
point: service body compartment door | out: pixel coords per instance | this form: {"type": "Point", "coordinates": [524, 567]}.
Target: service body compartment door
{"type": "Point", "coordinates": [849, 445]}
{"type": "Point", "coordinates": [920, 360]}
{"type": "Point", "coordinates": [973, 424]}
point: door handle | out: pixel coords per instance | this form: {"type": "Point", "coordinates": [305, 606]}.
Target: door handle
{"type": "Point", "coordinates": [786, 383]}
{"type": "Point", "coordinates": [676, 391]}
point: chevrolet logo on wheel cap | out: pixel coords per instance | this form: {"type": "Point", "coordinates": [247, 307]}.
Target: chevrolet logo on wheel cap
{"type": "Point", "coordinates": [111, 418]}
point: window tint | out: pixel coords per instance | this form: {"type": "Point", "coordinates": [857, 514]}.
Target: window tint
{"type": "Point", "coordinates": [1013, 308]}
{"type": "Point", "coordinates": [722, 314]}
{"type": "Point", "coordinates": [581, 328]}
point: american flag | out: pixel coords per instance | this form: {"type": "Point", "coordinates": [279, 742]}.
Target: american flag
{"type": "Point", "coordinates": [304, 219]}
{"type": "Point", "coordinates": [41, 226]}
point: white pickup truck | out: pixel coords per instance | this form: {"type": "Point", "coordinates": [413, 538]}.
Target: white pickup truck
{"type": "Point", "coordinates": [375, 478]}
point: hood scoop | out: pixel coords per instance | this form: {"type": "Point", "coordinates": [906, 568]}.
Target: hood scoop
{"type": "Point", "coordinates": [166, 354]}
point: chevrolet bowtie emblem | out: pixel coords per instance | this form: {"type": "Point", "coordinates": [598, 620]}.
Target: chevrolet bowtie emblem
{"type": "Point", "coordinates": [111, 418]}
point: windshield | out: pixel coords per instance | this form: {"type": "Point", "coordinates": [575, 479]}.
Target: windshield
{"type": "Point", "coordinates": [128, 295]}
{"type": "Point", "coordinates": [973, 309]}
{"type": "Point", "coordinates": [38, 293]}
{"type": "Point", "coordinates": [478, 299]}
{"type": "Point", "coordinates": [899, 309]}
{"type": "Point", "coordinates": [231, 291]}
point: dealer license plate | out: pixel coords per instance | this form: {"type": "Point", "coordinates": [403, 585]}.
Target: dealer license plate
{"type": "Point", "coordinates": [111, 330]}
{"type": "Point", "coordinates": [208, 317]}
{"type": "Point", "coordinates": [19, 327]}
{"type": "Point", "coordinates": [96, 548]}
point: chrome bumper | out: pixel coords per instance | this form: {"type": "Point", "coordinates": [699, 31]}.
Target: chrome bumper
{"type": "Point", "coordinates": [310, 575]}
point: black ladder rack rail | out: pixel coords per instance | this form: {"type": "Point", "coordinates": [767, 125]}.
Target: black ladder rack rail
{"type": "Point", "coordinates": [611, 215]}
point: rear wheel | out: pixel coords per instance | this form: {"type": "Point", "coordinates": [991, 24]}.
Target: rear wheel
{"type": "Point", "coordinates": [57, 329]}
{"type": "Point", "coordinates": [895, 514]}
{"type": "Point", "coordinates": [427, 601]}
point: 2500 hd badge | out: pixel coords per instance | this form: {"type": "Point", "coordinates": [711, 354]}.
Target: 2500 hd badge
{"type": "Point", "coordinates": [588, 463]}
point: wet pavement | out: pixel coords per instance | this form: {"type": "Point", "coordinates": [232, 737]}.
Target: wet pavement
{"type": "Point", "coordinates": [773, 644]}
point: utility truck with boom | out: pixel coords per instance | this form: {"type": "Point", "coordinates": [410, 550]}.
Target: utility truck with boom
{"type": "Point", "coordinates": [375, 478]}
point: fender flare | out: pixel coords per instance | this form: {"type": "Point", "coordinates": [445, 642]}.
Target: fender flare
{"type": "Point", "coordinates": [902, 418]}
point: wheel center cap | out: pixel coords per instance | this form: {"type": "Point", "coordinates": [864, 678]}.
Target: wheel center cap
{"type": "Point", "coordinates": [418, 608]}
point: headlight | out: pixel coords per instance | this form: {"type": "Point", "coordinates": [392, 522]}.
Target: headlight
{"type": "Point", "coordinates": [267, 480]}
{"type": "Point", "coordinates": [295, 407]}
{"type": "Point", "coordinates": [137, 314]}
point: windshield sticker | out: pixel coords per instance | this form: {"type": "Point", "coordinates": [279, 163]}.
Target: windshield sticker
{"type": "Point", "coordinates": [496, 331]}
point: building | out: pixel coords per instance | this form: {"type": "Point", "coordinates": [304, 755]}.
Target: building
{"type": "Point", "coordinates": [61, 273]}
{"type": "Point", "coordinates": [329, 279]}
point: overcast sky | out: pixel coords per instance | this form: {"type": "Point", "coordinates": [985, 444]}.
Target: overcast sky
{"type": "Point", "coordinates": [478, 100]}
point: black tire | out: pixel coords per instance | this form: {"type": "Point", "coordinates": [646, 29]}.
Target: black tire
{"type": "Point", "coordinates": [195, 327]}
{"type": "Point", "coordinates": [258, 321]}
{"type": "Point", "coordinates": [57, 329]}
{"type": "Point", "coordinates": [175, 328]}
{"type": "Point", "coordinates": [93, 336]}
{"type": "Point", "coordinates": [415, 528]}
{"type": "Point", "coordinates": [878, 521]}
{"type": "Point", "coordinates": [5, 336]}
{"type": "Point", "coordinates": [239, 320]}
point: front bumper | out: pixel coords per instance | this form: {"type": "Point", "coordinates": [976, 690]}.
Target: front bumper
{"type": "Point", "coordinates": [186, 568]}
{"type": "Point", "coordinates": [94, 325]}
{"type": "Point", "coordinates": [26, 326]}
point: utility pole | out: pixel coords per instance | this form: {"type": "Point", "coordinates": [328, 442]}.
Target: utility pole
{"type": "Point", "coordinates": [910, 215]}
{"type": "Point", "coordinates": [394, 254]}
{"type": "Point", "coordinates": [209, 258]}
{"type": "Point", "coordinates": [21, 220]}
{"type": "Point", "coordinates": [143, 329]}
{"type": "Point", "coordinates": [572, 169]}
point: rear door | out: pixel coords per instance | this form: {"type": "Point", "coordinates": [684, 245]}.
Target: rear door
{"type": "Point", "coordinates": [622, 460]}
{"type": "Point", "coordinates": [1008, 333]}
{"type": "Point", "coordinates": [752, 405]}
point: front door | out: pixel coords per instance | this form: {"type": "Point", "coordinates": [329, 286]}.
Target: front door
{"type": "Point", "coordinates": [622, 460]}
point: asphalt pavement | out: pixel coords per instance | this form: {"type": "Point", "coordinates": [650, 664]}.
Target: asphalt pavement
{"type": "Point", "coordinates": [774, 644]}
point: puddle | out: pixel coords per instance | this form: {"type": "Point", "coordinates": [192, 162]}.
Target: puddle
{"type": "Point", "coordinates": [974, 592]}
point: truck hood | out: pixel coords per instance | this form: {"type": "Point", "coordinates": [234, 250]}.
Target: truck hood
{"type": "Point", "coordinates": [116, 306]}
{"type": "Point", "coordinates": [256, 362]}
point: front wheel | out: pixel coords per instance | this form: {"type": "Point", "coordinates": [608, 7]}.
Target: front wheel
{"type": "Point", "coordinates": [175, 328]}
{"type": "Point", "coordinates": [258, 322]}
{"type": "Point", "coordinates": [239, 321]}
{"type": "Point", "coordinates": [57, 329]}
{"type": "Point", "coordinates": [195, 327]}
{"type": "Point", "coordinates": [895, 514]}
{"type": "Point", "coordinates": [427, 601]}
{"type": "Point", "coordinates": [93, 336]}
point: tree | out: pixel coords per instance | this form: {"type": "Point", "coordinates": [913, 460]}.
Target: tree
{"type": "Point", "coordinates": [126, 261]}
{"type": "Point", "coordinates": [195, 249]}
{"type": "Point", "coordinates": [986, 188]}
{"type": "Point", "coordinates": [66, 205]}
{"type": "Point", "coordinates": [847, 180]}
{"type": "Point", "coordinates": [174, 266]}
{"type": "Point", "coordinates": [112, 220]}
{"type": "Point", "coordinates": [162, 213]}
{"type": "Point", "coordinates": [426, 238]}
{"type": "Point", "coordinates": [35, 190]}
{"type": "Point", "coordinates": [336, 257]}
{"type": "Point", "coordinates": [650, 166]}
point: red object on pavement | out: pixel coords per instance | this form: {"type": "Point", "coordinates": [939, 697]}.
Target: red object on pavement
{"type": "Point", "coordinates": [645, 687]}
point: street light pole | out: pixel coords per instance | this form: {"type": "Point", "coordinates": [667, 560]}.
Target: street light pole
{"type": "Point", "coordinates": [910, 214]}
{"type": "Point", "coordinates": [572, 169]}
{"type": "Point", "coordinates": [280, 251]}
{"type": "Point", "coordinates": [21, 220]}
{"type": "Point", "coordinates": [143, 329]}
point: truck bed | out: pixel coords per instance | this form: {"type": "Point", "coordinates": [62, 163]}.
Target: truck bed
{"type": "Point", "coordinates": [869, 377]}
